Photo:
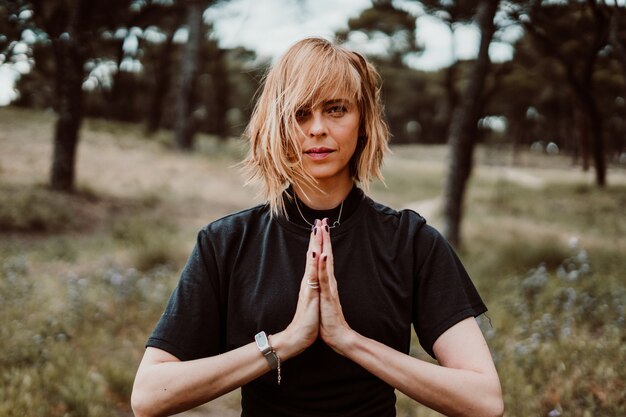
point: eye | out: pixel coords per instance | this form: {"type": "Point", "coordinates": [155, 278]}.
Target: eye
{"type": "Point", "coordinates": [302, 114]}
{"type": "Point", "coordinates": [338, 110]}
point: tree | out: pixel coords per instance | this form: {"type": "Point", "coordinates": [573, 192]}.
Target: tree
{"type": "Point", "coordinates": [463, 129]}
{"type": "Point", "coordinates": [577, 55]}
{"type": "Point", "coordinates": [616, 38]}
{"type": "Point", "coordinates": [189, 65]}
{"type": "Point", "coordinates": [72, 29]}
{"type": "Point", "coordinates": [452, 14]}
{"type": "Point", "coordinates": [162, 74]}
{"type": "Point", "coordinates": [384, 22]}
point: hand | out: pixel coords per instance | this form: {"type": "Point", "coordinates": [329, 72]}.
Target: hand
{"type": "Point", "coordinates": [333, 327]}
{"type": "Point", "coordinates": [304, 328]}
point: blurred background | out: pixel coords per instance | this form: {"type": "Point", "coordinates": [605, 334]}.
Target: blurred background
{"type": "Point", "coordinates": [121, 129]}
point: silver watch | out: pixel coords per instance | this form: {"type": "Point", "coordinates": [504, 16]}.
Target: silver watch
{"type": "Point", "coordinates": [266, 349]}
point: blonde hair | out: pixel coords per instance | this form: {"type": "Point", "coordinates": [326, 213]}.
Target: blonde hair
{"type": "Point", "coordinates": [311, 71]}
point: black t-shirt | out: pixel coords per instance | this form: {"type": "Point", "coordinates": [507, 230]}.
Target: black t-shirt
{"type": "Point", "coordinates": [244, 274]}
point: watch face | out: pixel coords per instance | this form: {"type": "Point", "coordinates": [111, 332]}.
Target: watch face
{"type": "Point", "coordinates": [262, 342]}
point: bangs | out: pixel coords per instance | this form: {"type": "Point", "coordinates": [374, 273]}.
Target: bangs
{"type": "Point", "coordinates": [317, 75]}
{"type": "Point", "coordinates": [310, 73]}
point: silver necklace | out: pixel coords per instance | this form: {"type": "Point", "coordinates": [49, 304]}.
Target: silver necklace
{"type": "Point", "coordinates": [335, 223]}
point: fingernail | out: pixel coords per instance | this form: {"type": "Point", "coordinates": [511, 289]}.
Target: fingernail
{"type": "Point", "coordinates": [324, 258]}
{"type": "Point", "coordinates": [313, 254]}
{"type": "Point", "coordinates": [327, 229]}
{"type": "Point", "coordinates": [315, 231]}
{"type": "Point", "coordinates": [325, 220]}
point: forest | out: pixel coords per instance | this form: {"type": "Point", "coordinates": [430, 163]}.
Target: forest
{"type": "Point", "coordinates": [562, 90]}
{"type": "Point", "coordinates": [125, 109]}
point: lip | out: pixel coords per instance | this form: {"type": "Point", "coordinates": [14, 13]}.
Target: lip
{"type": "Point", "coordinates": [318, 152]}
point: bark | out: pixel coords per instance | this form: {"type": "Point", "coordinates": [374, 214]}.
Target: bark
{"type": "Point", "coordinates": [68, 46]}
{"type": "Point", "coordinates": [221, 95]}
{"type": "Point", "coordinates": [463, 128]}
{"type": "Point", "coordinates": [183, 123]}
{"type": "Point", "coordinates": [162, 82]}
{"type": "Point", "coordinates": [588, 103]}
{"type": "Point", "coordinates": [69, 111]}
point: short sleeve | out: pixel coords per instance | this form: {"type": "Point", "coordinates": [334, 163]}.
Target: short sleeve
{"type": "Point", "coordinates": [191, 325]}
{"type": "Point", "coordinates": [443, 293]}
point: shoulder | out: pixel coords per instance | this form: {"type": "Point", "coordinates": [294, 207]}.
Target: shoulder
{"type": "Point", "coordinates": [405, 218]}
{"type": "Point", "coordinates": [236, 224]}
{"type": "Point", "coordinates": [406, 223]}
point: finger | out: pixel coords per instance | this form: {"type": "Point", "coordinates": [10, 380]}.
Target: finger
{"type": "Point", "coordinates": [327, 247]}
{"type": "Point", "coordinates": [313, 255]}
{"type": "Point", "coordinates": [325, 265]}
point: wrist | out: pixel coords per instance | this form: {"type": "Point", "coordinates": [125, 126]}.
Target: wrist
{"type": "Point", "coordinates": [345, 343]}
{"type": "Point", "coordinates": [284, 343]}
{"type": "Point", "coordinates": [268, 351]}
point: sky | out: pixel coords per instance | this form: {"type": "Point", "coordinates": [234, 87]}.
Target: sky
{"type": "Point", "coordinates": [270, 26]}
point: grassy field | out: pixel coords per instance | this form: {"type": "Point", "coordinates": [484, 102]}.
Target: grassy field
{"type": "Point", "coordinates": [84, 277]}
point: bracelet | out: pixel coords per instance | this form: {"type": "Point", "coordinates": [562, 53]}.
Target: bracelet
{"type": "Point", "coordinates": [268, 352]}
{"type": "Point", "coordinates": [278, 368]}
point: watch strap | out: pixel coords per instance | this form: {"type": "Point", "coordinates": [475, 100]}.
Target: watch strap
{"type": "Point", "coordinates": [263, 343]}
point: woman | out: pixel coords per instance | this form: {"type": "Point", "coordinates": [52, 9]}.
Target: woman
{"type": "Point", "coordinates": [307, 301]}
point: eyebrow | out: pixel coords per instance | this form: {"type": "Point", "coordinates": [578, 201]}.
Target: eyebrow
{"type": "Point", "coordinates": [343, 101]}
{"type": "Point", "coordinates": [334, 101]}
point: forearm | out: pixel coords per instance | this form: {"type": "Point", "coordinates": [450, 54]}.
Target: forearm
{"type": "Point", "coordinates": [453, 392]}
{"type": "Point", "coordinates": [169, 387]}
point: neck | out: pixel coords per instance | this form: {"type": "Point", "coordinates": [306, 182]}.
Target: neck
{"type": "Point", "coordinates": [324, 198]}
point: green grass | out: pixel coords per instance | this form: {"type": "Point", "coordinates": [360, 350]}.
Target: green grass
{"type": "Point", "coordinates": [85, 276]}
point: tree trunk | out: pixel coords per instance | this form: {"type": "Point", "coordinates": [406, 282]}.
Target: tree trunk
{"type": "Point", "coordinates": [162, 82]}
{"type": "Point", "coordinates": [67, 44]}
{"type": "Point", "coordinates": [584, 91]}
{"type": "Point", "coordinates": [463, 128]}
{"type": "Point", "coordinates": [221, 95]}
{"type": "Point", "coordinates": [69, 111]}
{"type": "Point", "coordinates": [183, 123]}
{"type": "Point", "coordinates": [594, 121]}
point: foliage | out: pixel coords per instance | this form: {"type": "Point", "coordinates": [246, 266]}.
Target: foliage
{"type": "Point", "coordinates": [77, 302]}
{"type": "Point", "coordinates": [38, 210]}
{"type": "Point", "coordinates": [565, 333]}
{"type": "Point", "coordinates": [537, 94]}
{"type": "Point", "coordinates": [529, 94]}
{"type": "Point", "coordinates": [384, 20]}
{"type": "Point", "coordinates": [134, 85]}
{"type": "Point", "coordinates": [75, 355]}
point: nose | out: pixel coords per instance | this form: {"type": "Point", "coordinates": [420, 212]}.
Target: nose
{"type": "Point", "coordinates": [318, 125]}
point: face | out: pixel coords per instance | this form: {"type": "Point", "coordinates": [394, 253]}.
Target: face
{"type": "Point", "coordinates": [331, 131]}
